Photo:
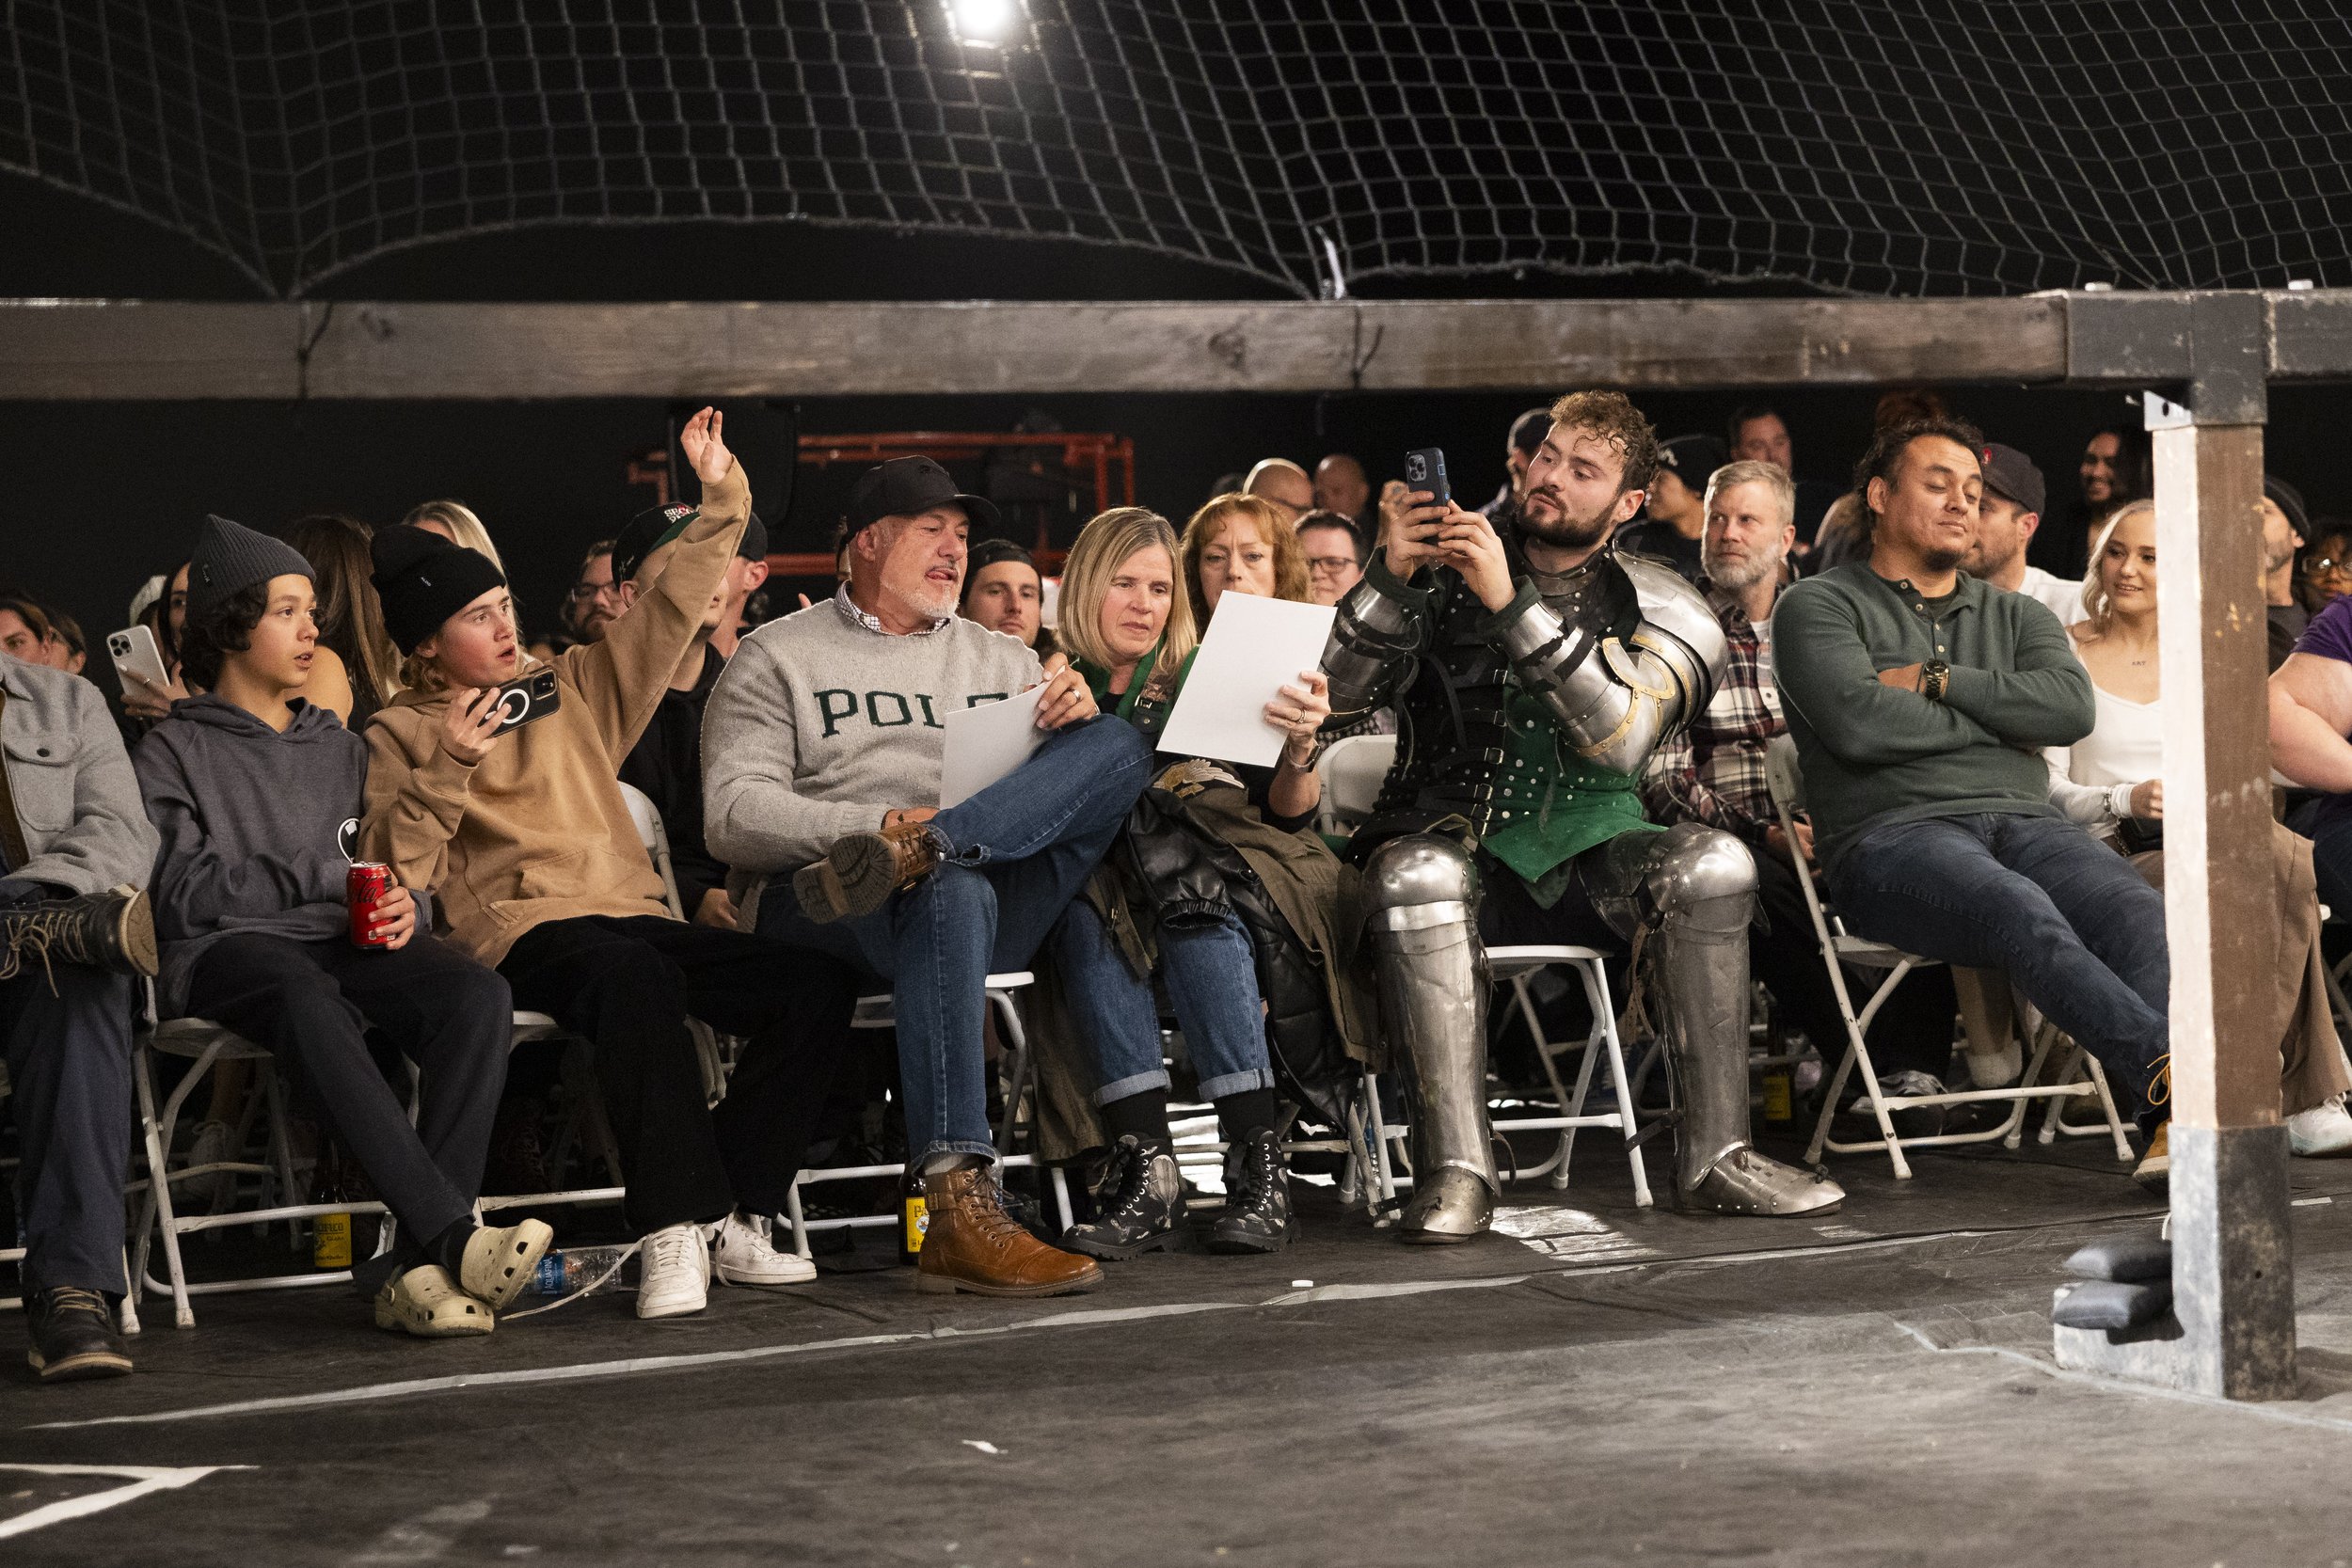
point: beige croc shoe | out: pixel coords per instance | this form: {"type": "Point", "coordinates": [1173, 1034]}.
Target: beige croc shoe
{"type": "Point", "coordinates": [498, 1263]}
{"type": "Point", "coordinates": [425, 1302]}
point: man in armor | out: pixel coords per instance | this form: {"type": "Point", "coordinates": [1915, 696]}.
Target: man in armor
{"type": "Point", "coordinates": [1533, 674]}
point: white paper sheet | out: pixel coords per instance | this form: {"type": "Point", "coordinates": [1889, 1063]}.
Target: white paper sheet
{"type": "Point", "coordinates": [986, 743]}
{"type": "Point", "coordinates": [1254, 647]}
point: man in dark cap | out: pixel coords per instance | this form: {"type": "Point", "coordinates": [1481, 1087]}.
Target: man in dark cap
{"type": "Point", "coordinates": [1676, 529]}
{"type": "Point", "coordinates": [1527, 438]}
{"type": "Point", "coordinates": [2009, 514]}
{"type": "Point", "coordinates": [824, 745]}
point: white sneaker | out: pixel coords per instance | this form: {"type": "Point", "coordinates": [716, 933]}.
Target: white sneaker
{"type": "Point", "coordinates": [673, 1272]}
{"type": "Point", "coordinates": [744, 1252]}
{"type": "Point", "coordinates": [2325, 1129]}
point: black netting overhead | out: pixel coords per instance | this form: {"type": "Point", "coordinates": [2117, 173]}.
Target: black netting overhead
{"type": "Point", "coordinates": [1904, 147]}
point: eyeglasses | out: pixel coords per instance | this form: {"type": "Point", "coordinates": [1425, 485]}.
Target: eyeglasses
{"type": "Point", "coordinates": [584, 592]}
{"type": "Point", "coordinates": [2326, 566]}
{"type": "Point", "coordinates": [1332, 564]}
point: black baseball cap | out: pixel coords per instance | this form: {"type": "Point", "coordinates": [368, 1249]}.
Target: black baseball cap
{"type": "Point", "coordinates": [1528, 429]}
{"type": "Point", "coordinates": [906, 485]}
{"type": "Point", "coordinates": [1693, 458]}
{"type": "Point", "coordinates": [658, 525]}
{"type": "Point", "coordinates": [2012, 475]}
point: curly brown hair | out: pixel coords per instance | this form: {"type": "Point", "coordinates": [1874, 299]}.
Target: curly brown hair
{"type": "Point", "coordinates": [1207, 525]}
{"type": "Point", "coordinates": [1613, 417]}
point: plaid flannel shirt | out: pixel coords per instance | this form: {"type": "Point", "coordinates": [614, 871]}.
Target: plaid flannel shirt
{"type": "Point", "coordinates": [1712, 770]}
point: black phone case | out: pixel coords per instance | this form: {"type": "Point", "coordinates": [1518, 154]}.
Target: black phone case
{"type": "Point", "coordinates": [534, 696]}
{"type": "Point", "coordinates": [1424, 469]}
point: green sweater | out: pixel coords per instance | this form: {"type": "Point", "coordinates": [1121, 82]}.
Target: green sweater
{"type": "Point", "coordinates": [1873, 753]}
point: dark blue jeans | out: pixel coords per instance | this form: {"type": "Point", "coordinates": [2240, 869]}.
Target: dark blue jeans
{"type": "Point", "coordinates": [1012, 858]}
{"type": "Point", "coordinates": [2077, 930]}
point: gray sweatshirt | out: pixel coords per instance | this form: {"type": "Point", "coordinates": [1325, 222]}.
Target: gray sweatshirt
{"type": "Point", "coordinates": [822, 722]}
{"type": "Point", "coordinates": [75, 797]}
{"type": "Point", "coordinates": [256, 825]}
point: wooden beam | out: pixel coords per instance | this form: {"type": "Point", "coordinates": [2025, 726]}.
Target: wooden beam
{"type": "Point", "coordinates": [75, 349]}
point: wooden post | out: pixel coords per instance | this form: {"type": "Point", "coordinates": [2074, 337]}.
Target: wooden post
{"type": "Point", "coordinates": [2232, 1332]}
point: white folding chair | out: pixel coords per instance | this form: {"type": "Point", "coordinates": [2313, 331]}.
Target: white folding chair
{"type": "Point", "coordinates": [1018, 1074]}
{"type": "Point", "coordinates": [1839, 948]}
{"type": "Point", "coordinates": [716, 1059]}
{"type": "Point", "coordinates": [1352, 771]}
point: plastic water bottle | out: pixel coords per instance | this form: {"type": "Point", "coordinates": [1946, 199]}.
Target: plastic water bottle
{"type": "Point", "coordinates": [561, 1273]}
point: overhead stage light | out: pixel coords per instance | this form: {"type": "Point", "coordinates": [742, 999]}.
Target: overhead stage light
{"type": "Point", "coordinates": [984, 21]}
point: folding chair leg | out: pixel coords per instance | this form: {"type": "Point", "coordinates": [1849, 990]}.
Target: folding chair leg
{"type": "Point", "coordinates": [127, 1310]}
{"type": "Point", "coordinates": [793, 1218]}
{"type": "Point", "coordinates": [159, 1194]}
{"type": "Point", "coordinates": [1596, 991]}
{"type": "Point", "coordinates": [2107, 1102]}
{"type": "Point", "coordinates": [1524, 998]}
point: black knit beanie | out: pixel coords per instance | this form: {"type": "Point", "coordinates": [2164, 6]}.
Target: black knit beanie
{"type": "Point", "coordinates": [229, 557]}
{"type": "Point", "coordinates": [423, 579]}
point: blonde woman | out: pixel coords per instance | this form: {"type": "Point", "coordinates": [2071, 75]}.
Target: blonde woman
{"type": "Point", "coordinates": [2111, 781]}
{"type": "Point", "coordinates": [1209, 846]}
{"type": "Point", "coordinates": [455, 522]}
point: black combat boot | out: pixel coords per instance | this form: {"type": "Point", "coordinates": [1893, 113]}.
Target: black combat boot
{"type": "Point", "coordinates": [104, 931]}
{"type": "Point", "coordinates": [1258, 1215]}
{"type": "Point", "coordinates": [1139, 1207]}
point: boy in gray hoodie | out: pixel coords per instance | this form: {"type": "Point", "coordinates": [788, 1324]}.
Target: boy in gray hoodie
{"type": "Point", "coordinates": [257, 796]}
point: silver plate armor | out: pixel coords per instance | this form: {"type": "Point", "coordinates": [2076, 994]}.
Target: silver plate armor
{"type": "Point", "coordinates": [1692, 886]}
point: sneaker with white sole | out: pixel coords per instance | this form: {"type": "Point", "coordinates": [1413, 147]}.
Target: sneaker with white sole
{"type": "Point", "coordinates": [673, 1272]}
{"type": "Point", "coordinates": [2324, 1129]}
{"type": "Point", "coordinates": [744, 1252]}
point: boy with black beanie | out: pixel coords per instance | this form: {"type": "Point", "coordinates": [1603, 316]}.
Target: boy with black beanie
{"type": "Point", "coordinates": [256, 794]}
{"type": "Point", "coordinates": [528, 846]}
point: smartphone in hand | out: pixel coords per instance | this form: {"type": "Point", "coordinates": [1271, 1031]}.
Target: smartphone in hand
{"type": "Point", "coordinates": [1424, 469]}
{"type": "Point", "coordinates": [528, 697]}
{"type": "Point", "coordinates": [134, 651]}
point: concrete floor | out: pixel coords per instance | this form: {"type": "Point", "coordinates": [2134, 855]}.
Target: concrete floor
{"type": "Point", "coordinates": [1608, 1386]}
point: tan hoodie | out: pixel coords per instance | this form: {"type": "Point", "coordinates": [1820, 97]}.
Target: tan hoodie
{"type": "Point", "coordinates": [537, 831]}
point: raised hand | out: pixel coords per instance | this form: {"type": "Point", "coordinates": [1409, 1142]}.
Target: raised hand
{"type": "Point", "coordinates": [706, 453]}
{"type": "Point", "coordinates": [1468, 544]}
{"type": "Point", "coordinates": [1408, 527]}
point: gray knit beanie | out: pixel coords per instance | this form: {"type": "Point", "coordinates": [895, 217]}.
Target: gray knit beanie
{"type": "Point", "coordinates": [229, 556]}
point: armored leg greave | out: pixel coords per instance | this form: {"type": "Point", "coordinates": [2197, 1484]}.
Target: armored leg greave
{"type": "Point", "coordinates": [1694, 888]}
{"type": "Point", "coordinates": [1423, 893]}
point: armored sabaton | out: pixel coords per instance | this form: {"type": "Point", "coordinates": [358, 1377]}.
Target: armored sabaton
{"type": "Point", "coordinates": [1522, 733]}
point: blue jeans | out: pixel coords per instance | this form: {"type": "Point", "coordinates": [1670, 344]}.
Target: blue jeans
{"type": "Point", "coordinates": [1212, 980]}
{"type": "Point", "coordinates": [1012, 858]}
{"type": "Point", "coordinates": [2077, 930]}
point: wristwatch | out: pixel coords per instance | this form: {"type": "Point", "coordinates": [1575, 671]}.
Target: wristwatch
{"type": "Point", "coordinates": [1934, 675]}
{"type": "Point", "coordinates": [1315, 754]}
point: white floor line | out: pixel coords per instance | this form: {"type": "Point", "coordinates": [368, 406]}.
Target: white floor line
{"type": "Point", "coordinates": [144, 1479]}
{"type": "Point", "coordinates": [1083, 1318]}
{"type": "Point", "coordinates": [2285, 1414]}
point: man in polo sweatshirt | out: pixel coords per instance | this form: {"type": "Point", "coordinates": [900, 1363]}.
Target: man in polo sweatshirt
{"type": "Point", "coordinates": [535, 866]}
{"type": "Point", "coordinates": [1921, 700]}
{"type": "Point", "coordinates": [256, 794]}
{"type": "Point", "coordinates": [822, 755]}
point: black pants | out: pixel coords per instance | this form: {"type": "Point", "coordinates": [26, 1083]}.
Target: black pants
{"type": "Point", "coordinates": [312, 1003]}
{"type": "Point", "coordinates": [628, 985]}
{"type": "Point", "coordinates": [68, 1040]}
{"type": "Point", "coordinates": [1913, 1032]}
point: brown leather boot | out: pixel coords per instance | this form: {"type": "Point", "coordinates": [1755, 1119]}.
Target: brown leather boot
{"type": "Point", "coordinates": [973, 1245]}
{"type": "Point", "coordinates": [860, 872]}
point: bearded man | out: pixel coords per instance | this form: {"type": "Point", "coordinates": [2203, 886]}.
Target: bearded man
{"type": "Point", "coordinates": [1534, 675]}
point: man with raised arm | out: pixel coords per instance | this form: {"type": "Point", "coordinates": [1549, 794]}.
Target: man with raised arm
{"type": "Point", "coordinates": [1533, 674]}
{"type": "Point", "coordinates": [821, 754]}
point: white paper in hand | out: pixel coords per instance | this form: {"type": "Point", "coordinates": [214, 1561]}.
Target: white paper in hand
{"type": "Point", "coordinates": [1255, 646]}
{"type": "Point", "coordinates": [986, 743]}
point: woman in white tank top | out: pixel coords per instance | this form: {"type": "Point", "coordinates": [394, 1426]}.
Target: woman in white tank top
{"type": "Point", "coordinates": [2111, 781]}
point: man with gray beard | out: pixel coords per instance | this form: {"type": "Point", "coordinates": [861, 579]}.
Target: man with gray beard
{"type": "Point", "coordinates": [1712, 774]}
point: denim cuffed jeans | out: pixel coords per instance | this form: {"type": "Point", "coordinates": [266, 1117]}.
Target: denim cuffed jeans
{"type": "Point", "coordinates": [2077, 930]}
{"type": "Point", "coordinates": [1212, 978]}
{"type": "Point", "coordinates": [1011, 860]}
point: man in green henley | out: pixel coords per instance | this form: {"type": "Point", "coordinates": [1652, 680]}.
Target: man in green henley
{"type": "Point", "coordinates": [1921, 700]}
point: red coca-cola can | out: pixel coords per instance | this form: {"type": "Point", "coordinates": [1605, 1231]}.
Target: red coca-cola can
{"type": "Point", "coordinates": [368, 882]}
